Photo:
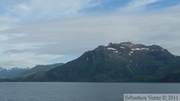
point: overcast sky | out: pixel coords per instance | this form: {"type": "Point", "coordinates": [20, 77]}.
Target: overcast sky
{"type": "Point", "coordinates": [51, 31]}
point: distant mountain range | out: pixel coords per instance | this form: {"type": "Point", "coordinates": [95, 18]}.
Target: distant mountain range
{"type": "Point", "coordinates": [23, 72]}
{"type": "Point", "coordinates": [7, 73]}
{"type": "Point", "coordinates": [116, 62]}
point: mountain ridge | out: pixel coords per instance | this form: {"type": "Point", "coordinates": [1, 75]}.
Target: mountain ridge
{"type": "Point", "coordinates": [115, 62]}
{"type": "Point", "coordinates": [19, 72]}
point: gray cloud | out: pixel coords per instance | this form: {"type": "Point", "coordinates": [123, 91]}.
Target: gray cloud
{"type": "Point", "coordinates": [14, 51]}
{"type": "Point", "coordinates": [82, 34]}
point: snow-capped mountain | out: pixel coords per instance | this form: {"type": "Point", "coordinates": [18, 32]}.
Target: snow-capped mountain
{"type": "Point", "coordinates": [115, 62]}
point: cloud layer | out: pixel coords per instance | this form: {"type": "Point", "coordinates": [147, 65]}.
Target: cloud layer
{"type": "Point", "coordinates": [43, 32]}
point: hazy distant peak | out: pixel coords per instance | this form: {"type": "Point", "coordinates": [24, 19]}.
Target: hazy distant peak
{"type": "Point", "coordinates": [1, 68]}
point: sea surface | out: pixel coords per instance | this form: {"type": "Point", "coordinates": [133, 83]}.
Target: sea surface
{"type": "Point", "coordinates": [70, 91]}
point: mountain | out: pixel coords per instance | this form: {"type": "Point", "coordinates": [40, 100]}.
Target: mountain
{"type": "Point", "coordinates": [7, 73]}
{"type": "Point", "coordinates": [38, 68]}
{"type": "Point", "coordinates": [23, 72]}
{"type": "Point", "coordinates": [116, 62]}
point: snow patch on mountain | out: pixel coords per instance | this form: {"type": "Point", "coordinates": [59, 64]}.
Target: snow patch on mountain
{"type": "Point", "coordinates": [138, 49]}
{"type": "Point", "coordinates": [122, 47]}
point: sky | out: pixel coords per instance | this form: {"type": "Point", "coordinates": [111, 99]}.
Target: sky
{"type": "Point", "coordinates": [57, 31]}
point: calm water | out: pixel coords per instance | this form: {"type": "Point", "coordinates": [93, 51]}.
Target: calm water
{"type": "Point", "coordinates": [56, 91]}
